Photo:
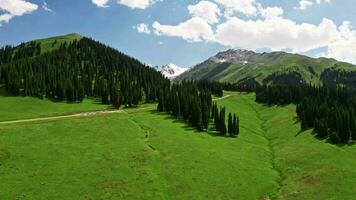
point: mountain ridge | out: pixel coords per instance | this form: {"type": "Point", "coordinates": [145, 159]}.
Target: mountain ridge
{"type": "Point", "coordinates": [235, 65]}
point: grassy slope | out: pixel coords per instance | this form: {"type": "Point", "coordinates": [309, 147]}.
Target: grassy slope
{"type": "Point", "coordinates": [12, 108]}
{"type": "Point", "coordinates": [266, 65]}
{"type": "Point", "coordinates": [47, 44]}
{"type": "Point", "coordinates": [310, 168]}
{"type": "Point", "coordinates": [142, 154]}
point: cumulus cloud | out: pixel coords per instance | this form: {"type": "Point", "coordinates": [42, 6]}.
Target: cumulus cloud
{"type": "Point", "coordinates": [275, 33]}
{"type": "Point", "coordinates": [304, 4]}
{"type": "Point", "coordinates": [137, 4]}
{"type": "Point", "coordinates": [271, 12]}
{"type": "Point", "coordinates": [143, 28]}
{"type": "Point", "coordinates": [342, 46]}
{"type": "Point", "coordinates": [195, 29]}
{"type": "Point", "coordinates": [247, 7]}
{"type": "Point", "coordinates": [15, 8]}
{"type": "Point", "coordinates": [206, 10]}
{"type": "Point", "coordinates": [101, 3]}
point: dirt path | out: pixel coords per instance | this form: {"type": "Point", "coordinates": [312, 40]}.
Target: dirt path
{"type": "Point", "coordinates": [221, 98]}
{"type": "Point", "coordinates": [82, 114]}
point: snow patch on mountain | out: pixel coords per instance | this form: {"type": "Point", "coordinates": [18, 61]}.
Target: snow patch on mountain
{"type": "Point", "coordinates": [171, 71]}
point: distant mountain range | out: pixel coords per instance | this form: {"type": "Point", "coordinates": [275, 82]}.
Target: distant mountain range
{"type": "Point", "coordinates": [171, 71]}
{"type": "Point", "coordinates": [236, 66]}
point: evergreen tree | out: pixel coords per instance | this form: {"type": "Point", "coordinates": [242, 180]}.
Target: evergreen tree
{"type": "Point", "coordinates": [230, 125]}
{"type": "Point", "coordinates": [222, 125]}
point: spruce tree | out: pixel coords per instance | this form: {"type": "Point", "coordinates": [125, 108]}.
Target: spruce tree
{"type": "Point", "coordinates": [230, 125]}
{"type": "Point", "coordinates": [222, 125]}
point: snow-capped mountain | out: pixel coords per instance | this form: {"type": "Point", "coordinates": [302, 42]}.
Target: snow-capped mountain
{"type": "Point", "coordinates": [171, 71]}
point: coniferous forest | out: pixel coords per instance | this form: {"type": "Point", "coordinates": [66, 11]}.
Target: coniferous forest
{"type": "Point", "coordinates": [79, 69]}
{"type": "Point", "coordinates": [192, 102]}
{"type": "Point", "coordinates": [330, 111]}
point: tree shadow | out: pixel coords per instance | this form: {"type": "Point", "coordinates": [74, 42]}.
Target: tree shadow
{"type": "Point", "coordinates": [186, 125]}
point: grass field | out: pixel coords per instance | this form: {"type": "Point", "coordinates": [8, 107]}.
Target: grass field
{"type": "Point", "coordinates": [142, 154]}
{"type": "Point", "coordinates": [15, 108]}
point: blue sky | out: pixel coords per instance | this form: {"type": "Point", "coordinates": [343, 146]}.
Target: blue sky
{"type": "Point", "coordinates": [186, 32]}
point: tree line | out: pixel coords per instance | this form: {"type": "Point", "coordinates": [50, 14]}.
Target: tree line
{"type": "Point", "coordinates": [329, 111]}
{"type": "Point", "coordinates": [189, 101]}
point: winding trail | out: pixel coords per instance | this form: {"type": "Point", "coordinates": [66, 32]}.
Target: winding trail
{"type": "Point", "coordinates": [76, 115]}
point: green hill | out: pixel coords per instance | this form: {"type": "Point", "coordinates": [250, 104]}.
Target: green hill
{"type": "Point", "coordinates": [53, 43]}
{"type": "Point", "coordinates": [238, 65]}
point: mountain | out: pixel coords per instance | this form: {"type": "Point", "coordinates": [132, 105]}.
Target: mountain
{"type": "Point", "coordinates": [242, 65]}
{"type": "Point", "coordinates": [171, 71]}
{"type": "Point", "coordinates": [72, 67]}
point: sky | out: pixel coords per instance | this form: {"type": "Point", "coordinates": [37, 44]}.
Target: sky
{"type": "Point", "coordinates": [187, 32]}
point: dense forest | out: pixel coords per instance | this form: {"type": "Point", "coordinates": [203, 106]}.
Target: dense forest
{"type": "Point", "coordinates": [79, 69]}
{"type": "Point", "coordinates": [330, 111]}
{"type": "Point", "coordinates": [192, 102]}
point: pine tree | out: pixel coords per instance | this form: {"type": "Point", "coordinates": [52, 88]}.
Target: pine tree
{"type": "Point", "coordinates": [230, 125]}
{"type": "Point", "coordinates": [222, 125]}
{"type": "Point", "coordinates": [236, 125]}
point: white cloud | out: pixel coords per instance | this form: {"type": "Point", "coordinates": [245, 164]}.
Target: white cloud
{"type": "Point", "coordinates": [13, 8]}
{"type": "Point", "coordinates": [206, 10]}
{"type": "Point", "coordinates": [193, 30]}
{"type": "Point", "coordinates": [137, 4]}
{"type": "Point", "coordinates": [5, 18]}
{"type": "Point", "coordinates": [342, 46]}
{"type": "Point", "coordinates": [304, 4]}
{"type": "Point", "coordinates": [143, 28]}
{"type": "Point", "coordinates": [46, 7]}
{"type": "Point", "coordinates": [271, 12]}
{"type": "Point", "coordinates": [275, 33]}
{"type": "Point", "coordinates": [101, 3]}
{"type": "Point", "coordinates": [247, 7]}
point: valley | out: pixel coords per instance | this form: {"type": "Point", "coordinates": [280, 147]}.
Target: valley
{"type": "Point", "coordinates": [143, 154]}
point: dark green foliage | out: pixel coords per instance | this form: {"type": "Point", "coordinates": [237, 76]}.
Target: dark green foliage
{"type": "Point", "coordinates": [329, 110]}
{"type": "Point", "coordinates": [222, 125]}
{"type": "Point", "coordinates": [188, 101]}
{"type": "Point", "coordinates": [192, 102]}
{"type": "Point", "coordinates": [78, 69]}
{"type": "Point", "coordinates": [321, 128]}
{"type": "Point", "coordinates": [230, 125]}
{"type": "Point", "coordinates": [236, 125]}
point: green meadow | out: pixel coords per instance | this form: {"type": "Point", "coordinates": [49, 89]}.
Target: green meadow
{"type": "Point", "coordinates": [143, 154]}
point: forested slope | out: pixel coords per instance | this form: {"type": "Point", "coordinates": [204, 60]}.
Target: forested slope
{"type": "Point", "coordinates": [75, 67]}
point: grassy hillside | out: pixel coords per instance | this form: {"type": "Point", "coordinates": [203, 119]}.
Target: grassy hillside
{"type": "Point", "coordinates": [14, 108]}
{"type": "Point", "coordinates": [142, 154]}
{"type": "Point", "coordinates": [48, 44]}
{"type": "Point", "coordinates": [263, 65]}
